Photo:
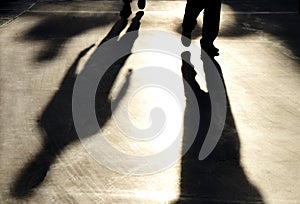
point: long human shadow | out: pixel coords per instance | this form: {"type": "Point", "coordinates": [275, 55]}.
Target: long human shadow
{"type": "Point", "coordinates": [56, 30]}
{"type": "Point", "coordinates": [56, 121]}
{"type": "Point", "coordinates": [219, 178]}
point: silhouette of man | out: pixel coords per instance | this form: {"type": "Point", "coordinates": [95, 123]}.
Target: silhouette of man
{"type": "Point", "coordinates": [211, 22]}
{"type": "Point", "coordinates": [126, 10]}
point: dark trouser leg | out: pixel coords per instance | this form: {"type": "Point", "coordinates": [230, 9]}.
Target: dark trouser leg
{"type": "Point", "coordinates": [211, 21]}
{"type": "Point", "coordinates": [141, 4]}
{"type": "Point", "coordinates": [192, 11]}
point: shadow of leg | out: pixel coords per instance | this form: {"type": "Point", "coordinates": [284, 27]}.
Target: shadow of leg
{"type": "Point", "coordinates": [219, 178]}
{"type": "Point", "coordinates": [56, 121]}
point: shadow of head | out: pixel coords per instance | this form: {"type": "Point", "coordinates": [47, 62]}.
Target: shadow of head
{"type": "Point", "coordinates": [54, 31]}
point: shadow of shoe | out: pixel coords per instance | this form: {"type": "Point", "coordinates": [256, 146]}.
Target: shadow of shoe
{"type": "Point", "coordinates": [186, 38]}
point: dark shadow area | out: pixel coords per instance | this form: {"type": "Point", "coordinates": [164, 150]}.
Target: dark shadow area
{"type": "Point", "coordinates": [14, 4]}
{"type": "Point", "coordinates": [250, 17]}
{"type": "Point", "coordinates": [56, 122]}
{"type": "Point", "coordinates": [279, 18]}
{"type": "Point", "coordinates": [56, 30]}
{"type": "Point", "coordinates": [219, 178]}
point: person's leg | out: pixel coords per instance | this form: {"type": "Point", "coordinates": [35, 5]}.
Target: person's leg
{"type": "Point", "coordinates": [192, 11]}
{"type": "Point", "coordinates": [126, 10]}
{"type": "Point", "coordinates": [211, 23]}
{"type": "Point", "coordinates": [141, 4]}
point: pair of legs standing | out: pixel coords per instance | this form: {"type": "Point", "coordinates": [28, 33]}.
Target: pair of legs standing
{"type": "Point", "coordinates": [126, 10]}
{"type": "Point", "coordinates": [211, 22]}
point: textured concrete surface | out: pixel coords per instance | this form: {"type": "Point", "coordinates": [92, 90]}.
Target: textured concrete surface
{"type": "Point", "coordinates": [42, 47]}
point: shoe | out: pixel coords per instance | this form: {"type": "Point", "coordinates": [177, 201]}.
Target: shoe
{"type": "Point", "coordinates": [126, 11]}
{"type": "Point", "coordinates": [186, 38]}
{"type": "Point", "coordinates": [210, 49]}
{"type": "Point", "coordinates": [141, 4]}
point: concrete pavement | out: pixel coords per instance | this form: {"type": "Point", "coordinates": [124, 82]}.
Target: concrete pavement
{"type": "Point", "coordinates": [42, 49]}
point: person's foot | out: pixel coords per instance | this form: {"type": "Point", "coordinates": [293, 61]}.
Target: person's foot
{"type": "Point", "coordinates": [126, 11]}
{"type": "Point", "coordinates": [141, 4]}
{"type": "Point", "coordinates": [210, 49]}
{"type": "Point", "coordinates": [186, 37]}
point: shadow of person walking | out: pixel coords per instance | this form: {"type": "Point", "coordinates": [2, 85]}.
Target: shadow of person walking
{"type": "Point", "coordinates": [56, 121]}
{"type": "Point", "coordinates": [219, 178]}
